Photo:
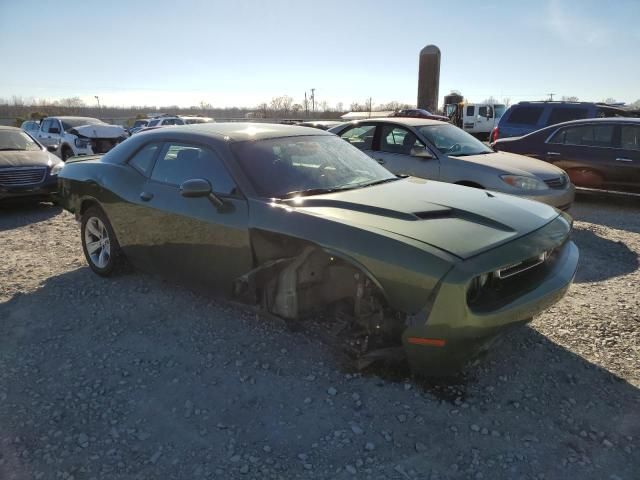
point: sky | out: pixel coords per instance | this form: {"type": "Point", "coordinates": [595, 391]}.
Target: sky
{"type": "Point", "coordinates": [242, 53]}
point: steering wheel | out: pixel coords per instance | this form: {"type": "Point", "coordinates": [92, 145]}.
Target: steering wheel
{"type": "Point", "coordinates": [456, 147]}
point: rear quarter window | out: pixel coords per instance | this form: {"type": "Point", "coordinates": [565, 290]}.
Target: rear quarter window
{"type": "Point", "coordinates": [525, 115]}
{"type": "Point", "coordinates": [565, 114]}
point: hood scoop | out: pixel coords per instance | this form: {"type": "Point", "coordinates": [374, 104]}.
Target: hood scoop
{"type": "Point", "coordinates": [432, 214]}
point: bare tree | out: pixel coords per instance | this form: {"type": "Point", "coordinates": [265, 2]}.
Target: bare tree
{"type": "Point", "coordinates": [506, 101]}
{"type": "Point", "coordinates": [339, 107]}
{"type": "Point", "coordinates": [287, 101]}
{"type": "Point", "coordinates": [635, 105]}
{"type": "Point", "coordinates": [17, 101]}
{"type": "Point", "coordinates": [491, 100]}
{"type": "Point", "coordinates": [72, 102]}
{"type": "Point", "coordinates": [610, 100]}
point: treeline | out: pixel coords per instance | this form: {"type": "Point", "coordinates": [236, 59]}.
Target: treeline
{"type": "Point", "coordinates": [16, 110]}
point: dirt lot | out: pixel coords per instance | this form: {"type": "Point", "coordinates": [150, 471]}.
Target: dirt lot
{"type": "Point", "coordinates": [135, 378]}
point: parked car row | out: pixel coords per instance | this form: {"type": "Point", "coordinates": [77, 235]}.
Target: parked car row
{"type": "Point", "coordinates": [297, 220]}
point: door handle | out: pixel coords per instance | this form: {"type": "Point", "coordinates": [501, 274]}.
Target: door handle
{"type": "Point", "coordinates": [553, 153]}
{"type": "Point", "coordinates": [623, 159]}
{"type": "Point", "coordinates": [146, 196]}
{"type": "Point", "coordinates": [380, 161]}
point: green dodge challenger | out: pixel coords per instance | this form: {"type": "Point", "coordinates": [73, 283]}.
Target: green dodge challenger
{"type": "Point", "coordinates": [297, 221]}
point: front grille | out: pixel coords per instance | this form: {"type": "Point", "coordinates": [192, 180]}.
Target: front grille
{"type": "Point", "coordinates": [558, 182]}
{"type": "Point", "coordinates": [21, 176]}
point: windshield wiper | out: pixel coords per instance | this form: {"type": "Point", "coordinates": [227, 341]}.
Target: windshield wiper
{"type": "Point", "coordinates": [379, 182]}
{"type": "Point", "coordinates": [13, 149]}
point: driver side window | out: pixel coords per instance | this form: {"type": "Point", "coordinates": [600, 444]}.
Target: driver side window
{"type": "Point", "coordinates": [179, 162]}
{"type": "Point", "coordinates": [398, 140]}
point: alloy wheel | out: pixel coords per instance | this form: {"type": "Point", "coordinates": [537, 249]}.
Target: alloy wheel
{"type": "Point", "coordinates": [96, 239]}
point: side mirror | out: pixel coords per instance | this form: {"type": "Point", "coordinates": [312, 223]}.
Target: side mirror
{"type": "Point", "coordinates": [199, 187]}
{"type": "Point", "coordinates": [421, 152]}
{"type": "Point", "coordinates": [53, 148]}
{"type": "Point", "coordinates": [55, 130]}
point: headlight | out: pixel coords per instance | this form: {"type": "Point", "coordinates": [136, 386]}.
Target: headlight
{"type": "Point", "coordinates": [55, 170]}
{"type": "Point", "coordinates": [82, 142]}
{"type": "Point", "coordinates": [524, 183]}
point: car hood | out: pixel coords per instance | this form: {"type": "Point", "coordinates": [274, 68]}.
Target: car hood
{"type": "Point", "coordinates": [97, 131]}
{"type": "Point", "coordinates": [515, 164]}
{"type": "Point", "coordinates": [462, 221]}
{"type": "Point", "coordinates": [27, 159]}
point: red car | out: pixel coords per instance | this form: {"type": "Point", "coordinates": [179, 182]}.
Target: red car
{"type": "Point", "coordinates": [419, 113]}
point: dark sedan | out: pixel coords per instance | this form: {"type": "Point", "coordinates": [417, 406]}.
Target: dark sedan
{"type": "Point", "coordinates": [27, 169]}
{"type": "Point", "coordinates": [600, 153]}
{"type": "Point", "coordinates": [297, 221]}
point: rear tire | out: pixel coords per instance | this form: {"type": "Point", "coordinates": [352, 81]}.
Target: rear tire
{"type": "Point", "coordinates": [99, 243]}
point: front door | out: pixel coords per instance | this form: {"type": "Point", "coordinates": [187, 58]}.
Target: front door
{"type": "Point", "coordinates": [394, 153]}
{"type": "Point", "coordinates": [43, 135]}
{"type": "Point", "coordinates": [586, 153]}
{"type": "Point", "coordinates": [190, 238]}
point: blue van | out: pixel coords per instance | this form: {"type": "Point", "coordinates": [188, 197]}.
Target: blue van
{"type": "Point", "coordinates": [527, 117]}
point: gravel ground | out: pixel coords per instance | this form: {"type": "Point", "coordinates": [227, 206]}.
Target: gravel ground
{"type": "Point", "coordinates": [135, 378]}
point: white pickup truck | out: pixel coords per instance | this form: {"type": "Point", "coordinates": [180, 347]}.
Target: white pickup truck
{"type": "Point", "coordinates": [79, 135]}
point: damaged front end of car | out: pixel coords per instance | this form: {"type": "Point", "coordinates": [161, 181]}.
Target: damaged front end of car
{"type": "Point", "coordinates": [312, 282]}
{"type": "Point", "coordinates": [461, 312]}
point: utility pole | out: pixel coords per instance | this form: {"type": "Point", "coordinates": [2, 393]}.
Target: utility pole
{"type": "Point", "coordinates": [306, 105]}
{"type": "Point", "coordinates": [370, 104]}
{"type": "Point", "coordinates": [551, 96]}
{"type": "Point", "coordinates": [313, 100]}
{"type": "Point", "coordinates": [97, 100]}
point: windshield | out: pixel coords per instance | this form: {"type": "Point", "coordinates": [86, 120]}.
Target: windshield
{"type": "Point", "coordinates": [68, 123]}
{"type": "Point", "coordinates": [452, 140]}
{"type": "Point", "coordinates": [283, 167]}
{"type": "Point", "coordinates": [17, 140]}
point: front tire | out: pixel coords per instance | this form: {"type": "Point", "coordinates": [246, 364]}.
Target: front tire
{"type": "Point", "coordinates": [99, 243]}
{"type": "Point", "coordinates": [66, 153]}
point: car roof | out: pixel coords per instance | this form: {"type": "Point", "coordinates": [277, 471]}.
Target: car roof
{"type": "Point", "coordinates": [239, 132]}
{"type": "Point", "coordinates": [70, 117]}
{"type": "Point", "coordinates": [581, 121]}
{"type": "Point", "coordinates": [408, 121]}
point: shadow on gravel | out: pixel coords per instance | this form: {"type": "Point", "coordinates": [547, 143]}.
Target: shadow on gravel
{"type": "Point", "coordinates": [15, 213]}
{"type": "Point", "coordinates": [601, 258]}
{"type": "Point", "coordinates": [622, 213]}
{"type": "Point", "coordinates": [114, 364]}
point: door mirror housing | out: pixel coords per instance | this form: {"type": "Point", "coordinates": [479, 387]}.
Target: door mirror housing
{"type": "Point", "coordinates": [199, 187]}
{"type": "Point", "coordinates": [53, 148]}
{"type": "Point", "coordinates": [421, 152]}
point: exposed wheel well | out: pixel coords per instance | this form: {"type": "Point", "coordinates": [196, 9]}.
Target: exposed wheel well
{"type": "Point", "coordinates": [86, 204]}
{"type": "Point", "coordinates": [468, 183]}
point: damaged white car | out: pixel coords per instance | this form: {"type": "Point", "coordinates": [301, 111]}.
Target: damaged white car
{"type": "Point", "coordinates": [79, 135]}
